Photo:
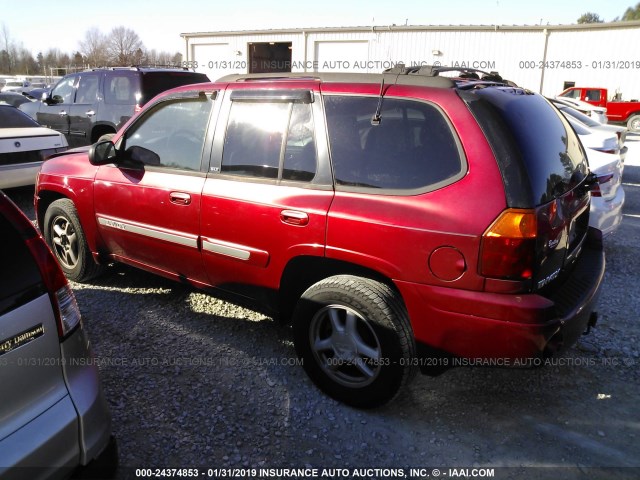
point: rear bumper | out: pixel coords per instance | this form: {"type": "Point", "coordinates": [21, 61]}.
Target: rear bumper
{"type": "Point", "coordinates": [19, 174]}
{"type": "Point", "coordinates": [480, 325]}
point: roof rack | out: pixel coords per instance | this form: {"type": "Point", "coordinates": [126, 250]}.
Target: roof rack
{"type": "Point", "coordinates": [139, 67]}
{"type": "Point", "coordinates": [436, 70]}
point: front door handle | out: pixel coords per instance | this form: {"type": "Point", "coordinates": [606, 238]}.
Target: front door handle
{"type": "Point", "coordinates": [180, 198]}
{"type": "Point", "coordinates": [90, 113]}
{"type": "Point", "coordinates": [294, 217]}
{"type": "Point", "coordinates": [62, 113]}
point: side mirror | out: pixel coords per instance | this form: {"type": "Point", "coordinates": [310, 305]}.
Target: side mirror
{"type": "Point", "coordinates": [102, 153]}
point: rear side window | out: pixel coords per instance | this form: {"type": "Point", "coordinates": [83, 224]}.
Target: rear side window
{"type": "Point", "coordinates": [413, 148]}
{"type": "Point", "coordinates": [20, 281]}
{"type": "Point", "coordinates": [539, 154]}
{"type": "Point", "coordinates": [154, 83]}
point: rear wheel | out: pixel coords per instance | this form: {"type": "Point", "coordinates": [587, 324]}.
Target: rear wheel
{"type": "Point", "coordinates": [355, 340]}
{"type": "Point", "coordinates": [633, 124]}
{"type": "Point", "coordinates": [63, 233]}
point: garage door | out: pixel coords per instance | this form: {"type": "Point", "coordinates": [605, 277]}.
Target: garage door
{"type": "Point", "coordinates": [341, 56]}
{"type": "Point", "coordinates": [217, 60]}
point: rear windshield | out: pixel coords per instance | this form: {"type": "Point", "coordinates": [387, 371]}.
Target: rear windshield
{"type": "Point", "coordinates": [539, 155]}
{"type": "Point", "coordinates": [20, 281]}
{"type": "Point", "coordinates": [11, 117]}
{"type": "Point", "coordinates": [154, 83]}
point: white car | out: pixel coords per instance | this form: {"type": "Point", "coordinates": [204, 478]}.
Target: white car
{"type": "Point", "coordinates": [603, 153]}
{"type": "Point", "coordinates": [24, 145]}
{"type": "Point", "coordinates": [604, 131]}
{"type": "Point", "coordinates": [597, 113]}
{"type": "Point", "coordinates": [17, 86]}
{"type": "Point", "coordinates": [607, 198]}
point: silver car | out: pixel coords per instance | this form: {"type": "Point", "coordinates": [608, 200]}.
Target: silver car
{"type": "Point", "coordinates": [24, 145]}
{"type": "Point", "coordinates": [54, 419]}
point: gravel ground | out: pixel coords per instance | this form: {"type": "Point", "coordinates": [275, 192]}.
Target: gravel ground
{"type": "Point", "coordinates": [194, 381]}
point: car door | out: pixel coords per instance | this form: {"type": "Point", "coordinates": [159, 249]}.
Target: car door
{"type": "Point", "coordinates": [266, 198]}
{"type": "Point", "coordinates": [54, 110]}
{"type": "Point", "coordinates": [84, 109]}
{"type": "Point", "coordinates": [148, 215]}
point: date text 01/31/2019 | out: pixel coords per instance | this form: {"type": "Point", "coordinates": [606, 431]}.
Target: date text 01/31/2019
{"type": "Point", "coordinates": [578, 64]}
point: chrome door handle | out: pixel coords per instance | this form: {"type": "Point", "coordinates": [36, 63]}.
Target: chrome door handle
{"type": "Point", "coordinates": [180, 198]}
{"type": "Point", "coordinates": [62, 113]}
{"type": "Point", "coordinates": [294, 217]}
{"type": "Point", "coordinates": [90, 113]}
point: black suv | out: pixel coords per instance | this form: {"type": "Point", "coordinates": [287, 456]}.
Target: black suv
{"type": "Point", "coordinates": [86, 105]}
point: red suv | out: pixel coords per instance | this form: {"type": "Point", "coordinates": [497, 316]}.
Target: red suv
{"type": "Point", "coordinates": [397, 220]}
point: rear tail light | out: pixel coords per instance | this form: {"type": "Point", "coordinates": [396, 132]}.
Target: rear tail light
{"type": "Point", "coordinates": [508, 246]}
{"type": "Point", "coordinates": [601, 188]}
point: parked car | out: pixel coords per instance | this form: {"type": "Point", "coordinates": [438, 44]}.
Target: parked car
{"type": "Point", "coordinates": [395, 220]}
{"type": "Point", "coordinates": [17, 86]}
{"type": "Point", "coordinates": [599, 114]}
{"type": "Point", "coordinates": [37, 93]}
{"type": "Point", "coordinates": [86, 105]}
{"type": "Point", "coordinates": [627, 112]}
{"type": "Point", "coordinates": [24, 145]}
{"type": "Point", "coordinates": [53, 415]}
{"type": "Point", "coordinates": [12, 98]}
{"type": "Point", "coordinates": [594, 125]}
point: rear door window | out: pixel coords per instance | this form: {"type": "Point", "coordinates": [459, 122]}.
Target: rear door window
{"type": "Point", "coordinates": [270, 140]}
{"type": "Point", "coordinates": [412, 149]}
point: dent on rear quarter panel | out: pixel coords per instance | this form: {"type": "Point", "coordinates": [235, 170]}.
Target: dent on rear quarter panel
{"type": "Point", "coordinates": [71, 176]}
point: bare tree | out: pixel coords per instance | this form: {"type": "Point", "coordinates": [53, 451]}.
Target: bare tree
{"type": "Point", "coordinates": [94, 47]}
{"type": "Point", "coordinates": [123, 43]}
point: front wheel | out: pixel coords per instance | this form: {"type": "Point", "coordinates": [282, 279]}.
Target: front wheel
{"type": "Point", "coordinates": [633, 124]}
{"type": "Point", "coordinates": [354, 337]}
{"type": "Point", "coordinates": [63, 233]}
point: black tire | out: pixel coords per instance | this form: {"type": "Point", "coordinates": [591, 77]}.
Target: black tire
{"type": "Point", "coordinates": [633, 124]}
{"type": "Point", "coordinates": [64, 235]}
{"type": "Point", "coordinates": [355, 340]}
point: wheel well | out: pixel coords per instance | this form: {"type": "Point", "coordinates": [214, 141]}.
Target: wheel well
{"type": "Point", "coordinates": [46, 198]}
{"type": "Point", "coordinates": [100, 130]}
{"type": "Point", "coordinates": [302, 272]}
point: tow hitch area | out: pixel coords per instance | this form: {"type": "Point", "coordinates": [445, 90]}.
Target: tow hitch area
{"type": "Point", "coordinates": [593, 319]}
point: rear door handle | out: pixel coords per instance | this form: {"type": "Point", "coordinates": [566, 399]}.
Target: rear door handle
{"type": "Point", "coordinates": [294, 217]}
{"type": "Point", "coordinates": [180, 198]}
{"type": "Point", "coordinates": [62, 113]}
{"type": "Point", "coordinates": [90, 113]}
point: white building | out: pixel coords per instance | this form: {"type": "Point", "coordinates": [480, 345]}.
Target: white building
{"type": "Point", "coordinates": [546, 59]}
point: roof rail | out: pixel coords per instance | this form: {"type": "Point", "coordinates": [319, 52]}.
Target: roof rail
{"type": "Point", "coordinates": [436, 70]}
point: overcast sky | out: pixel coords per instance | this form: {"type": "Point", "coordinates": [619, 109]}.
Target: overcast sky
{"type": "Point", "coordinates": [43, 24]}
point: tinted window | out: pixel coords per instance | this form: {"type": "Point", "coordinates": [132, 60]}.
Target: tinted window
{"type": "Point", "coordinates": [11, 117]}
{"type": "Point", "coordinates": [412, 148]}
{"type": "Point", "coordinates": [593, 95]}
{"type": "Point", "coordinates": [539, 154]}
{"type": "Point", "coordinates": [24, 282]}
{"type": "Point", "coordinates": [122, 89]}
{"type": "Point", "coordinates": [154, 83]}
{"type": "Point", "coordinates": [87, 88]}
{"type": "Point", "coordinates": [254, 143]}
{"type": "Point", "coordinates": [171, 134]}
